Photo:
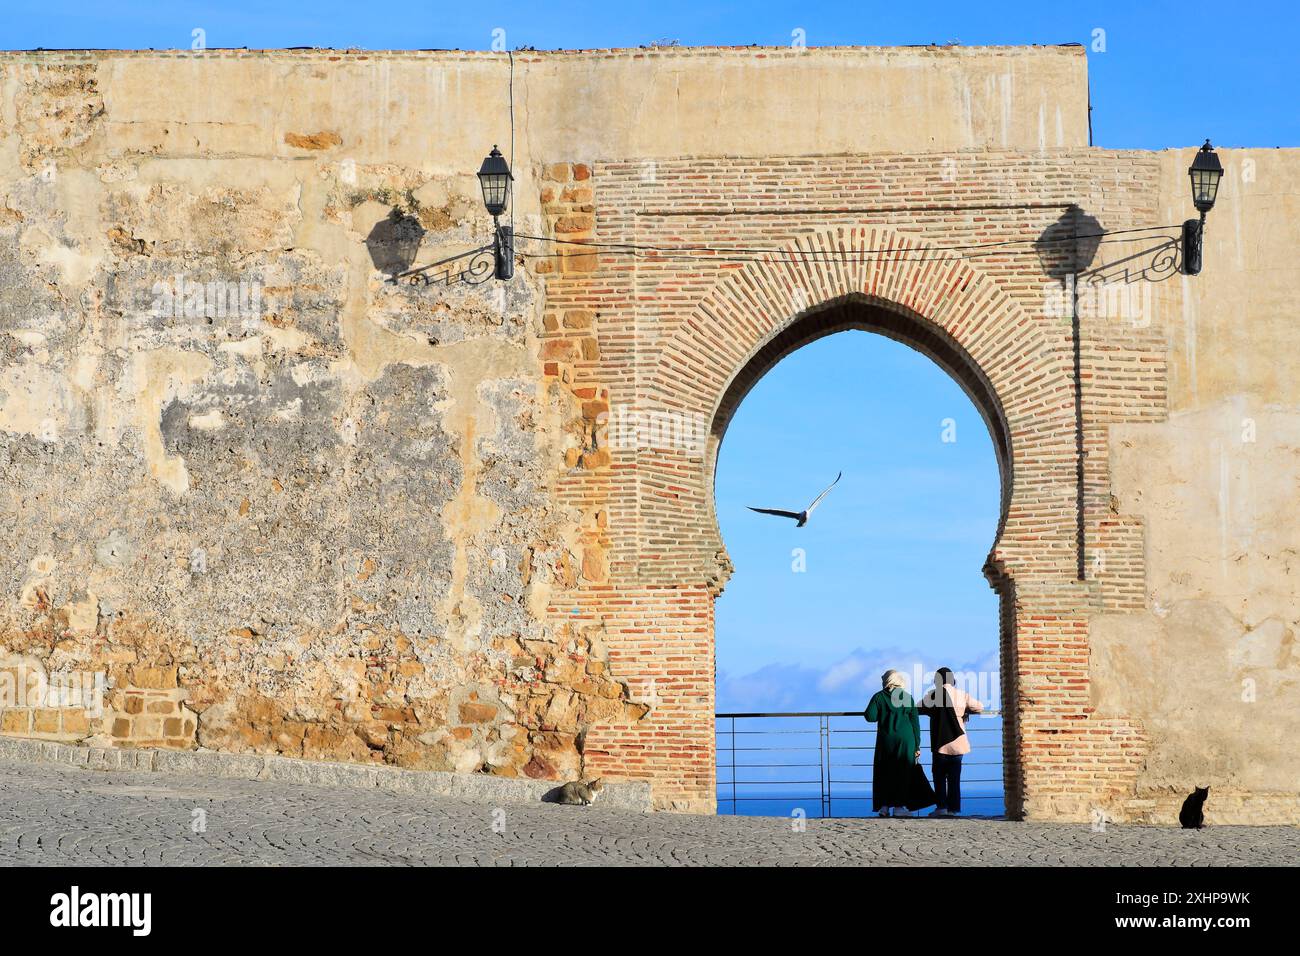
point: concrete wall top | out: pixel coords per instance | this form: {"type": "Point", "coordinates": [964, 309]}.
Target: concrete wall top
{"type": "Point", "coordinates": [442, 109]}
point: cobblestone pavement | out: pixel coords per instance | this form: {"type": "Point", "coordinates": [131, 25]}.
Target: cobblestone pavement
{"type": "Point", "coordinates": [52, 814]}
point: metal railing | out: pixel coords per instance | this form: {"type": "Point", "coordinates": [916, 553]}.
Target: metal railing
{"type": "Point", "coordinates": [808, 742]}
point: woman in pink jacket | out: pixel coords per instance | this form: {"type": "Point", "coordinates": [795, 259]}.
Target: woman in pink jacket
{"type": "Point", "coordinates": [947, 708]}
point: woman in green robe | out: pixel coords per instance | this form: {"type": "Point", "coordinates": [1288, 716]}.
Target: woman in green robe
{"type": "Point", "coordinates": [898, 745]}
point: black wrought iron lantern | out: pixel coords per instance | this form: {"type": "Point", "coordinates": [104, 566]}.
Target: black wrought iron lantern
{"type": "Point", "coordinates": [494, 176]}
{"type": "Point", "coordinates": [1205, 172]}
{"type": "Point", "coordinates": [474, 266]}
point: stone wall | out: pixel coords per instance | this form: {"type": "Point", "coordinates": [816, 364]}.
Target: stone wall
{"type": "Point", "coordinates": [470, 527]}
{"type": "Point", "coordinates": [1208, 660]}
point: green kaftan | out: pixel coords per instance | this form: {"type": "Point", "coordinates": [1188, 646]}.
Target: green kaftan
{"type": "Point", "coordinates": [898, 737]}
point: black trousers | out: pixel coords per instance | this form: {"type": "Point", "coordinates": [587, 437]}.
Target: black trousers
{"type": "Point", "coordinates": [947, 781]}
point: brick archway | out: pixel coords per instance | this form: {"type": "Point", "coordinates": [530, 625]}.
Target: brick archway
{"type": "Point", "coordinates": [669, 565]}
{"type": "Point", "coordinates": [945, 309]}
{"type": "Point", "coordinates": [1017, 376]}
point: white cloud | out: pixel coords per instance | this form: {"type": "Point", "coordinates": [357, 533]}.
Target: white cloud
{"type": "Point", "coordinates": [844, 686]}
{"type": "Point", "coordinates": [838, 674]}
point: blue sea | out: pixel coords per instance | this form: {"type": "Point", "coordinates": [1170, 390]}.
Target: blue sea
{"type": "Point", "coordinates": [776, 766]}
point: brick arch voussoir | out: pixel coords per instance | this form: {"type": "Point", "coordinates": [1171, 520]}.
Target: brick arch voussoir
{"type": "Point", "coordinates": [1026, 368]}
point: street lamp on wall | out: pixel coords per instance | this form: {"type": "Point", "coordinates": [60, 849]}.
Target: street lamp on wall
{"type": "Point", "coordinates": [1205, 173]}
{"type": "Point", "coordinates": [475, 266]}
{"type": "Point", "coordinates": [494, 177]}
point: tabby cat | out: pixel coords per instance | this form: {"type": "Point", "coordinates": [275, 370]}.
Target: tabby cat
{"type": "Point", "coordinates": [580, 792]}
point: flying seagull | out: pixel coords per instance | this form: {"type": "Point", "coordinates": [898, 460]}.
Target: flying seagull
{"type": "Point", "coordinates": [800, 516]}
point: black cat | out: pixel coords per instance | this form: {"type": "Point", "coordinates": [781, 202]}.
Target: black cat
{"type": "Point", "coordinates": [1192, 815]}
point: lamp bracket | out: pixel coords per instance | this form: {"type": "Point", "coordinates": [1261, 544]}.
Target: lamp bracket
{"type": "Point", "coordinates": [1154, 263]}
{"type": "Point", "coordinates": [472, 267]}
{"type": "Point", "coordinates": [1193, 235]}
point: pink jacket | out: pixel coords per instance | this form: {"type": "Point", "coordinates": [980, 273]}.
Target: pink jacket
{"type": "Point", "coordinates": [963, 704]}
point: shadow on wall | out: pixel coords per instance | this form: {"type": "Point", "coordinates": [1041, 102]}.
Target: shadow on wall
{"type": "Point", "coordinates": [1066, 249]}
{"type": "Point", "coordinates": [1069, 245]}
{"type": "Point", "coordinates": [394, 242]}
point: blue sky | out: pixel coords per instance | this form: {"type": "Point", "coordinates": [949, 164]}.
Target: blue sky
{"type": "Point", "coordinates": [894, 555]}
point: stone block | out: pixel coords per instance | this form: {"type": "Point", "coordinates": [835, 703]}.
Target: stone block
{"type": "Point", "coordinates": [16, 720]}
{"type": "Point", "coordinates": [153, 678]}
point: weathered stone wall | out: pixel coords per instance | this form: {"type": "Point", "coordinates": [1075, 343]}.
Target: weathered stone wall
{"type": "Point", "coordinates": [330, 516]}
{"type": "Point", "coordinates": [1209, 662]}
{"type": "Point", "coordinates": [311, 517]}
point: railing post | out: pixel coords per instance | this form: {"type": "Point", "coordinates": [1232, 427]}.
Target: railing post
{"type": "Point", "coordinates": [824, 758]}
{"type": "Point", "coordinates": [735, 807]}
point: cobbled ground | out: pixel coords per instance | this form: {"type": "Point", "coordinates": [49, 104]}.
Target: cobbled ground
{"type": "Point", "coordinates": [58, 815]}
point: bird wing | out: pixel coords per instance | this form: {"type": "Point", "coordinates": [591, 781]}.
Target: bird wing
{"type": "Point", "coordinates": [774, 511]}
{"type": "Point", "coordinates": [823, 494]}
